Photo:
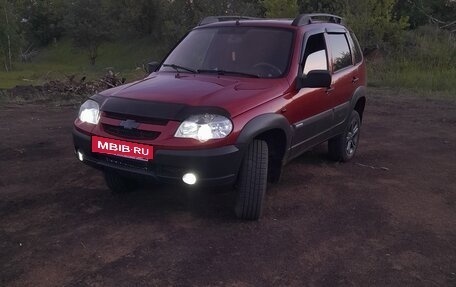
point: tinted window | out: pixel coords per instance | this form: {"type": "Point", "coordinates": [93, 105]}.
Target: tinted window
{"type": "Point", "coordinates": [264, 52]}
{"type": "Point", "coordinates": [341, 55]}
{"type": "Point", "coordinates": [315, 57]}
{"type": "Point", "coordinates": [355, 48]}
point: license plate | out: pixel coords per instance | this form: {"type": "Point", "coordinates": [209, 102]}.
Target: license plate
{"type": "Point", "coordinates": [122, 148]}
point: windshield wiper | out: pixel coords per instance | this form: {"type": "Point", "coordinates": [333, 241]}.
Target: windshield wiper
{"type": "Point", "coordinates": [223, 72]}
{"type": "Point", "coordinates": [177, 68]}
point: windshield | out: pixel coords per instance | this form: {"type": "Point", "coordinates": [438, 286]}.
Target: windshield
{"type": "Point", "coordinates": [240, 51]}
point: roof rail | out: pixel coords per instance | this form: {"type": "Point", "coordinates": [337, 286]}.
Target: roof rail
{"type": "Point", "coordinates": [215, 19]}
{"type": "Point", "coordinates": [306, 19]}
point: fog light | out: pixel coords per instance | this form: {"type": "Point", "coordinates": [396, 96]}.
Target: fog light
{"type": "Point", "coordinates": [189, 178]}
{"type": "Point", "coordinates": [80, 156]}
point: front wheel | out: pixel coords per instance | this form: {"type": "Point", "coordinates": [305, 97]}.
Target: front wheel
{"type": "Point", "coordinates": [343, 147]}
{"type": "Point", "coordinates": [252, 181]}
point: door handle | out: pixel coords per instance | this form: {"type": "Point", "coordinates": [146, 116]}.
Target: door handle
{"type": "Point", "coordinates": [355, 79]}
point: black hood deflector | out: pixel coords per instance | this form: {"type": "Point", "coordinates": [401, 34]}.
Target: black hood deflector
{"type": "Point", "coordinates": [156, 110]}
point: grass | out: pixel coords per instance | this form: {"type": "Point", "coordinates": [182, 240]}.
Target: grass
{"type": "Point", "coordinates": [62, 59]}
{"type": "Point", "coordinates": [412, 76]}
{"type": "Point", "coordinates": [424, 63]}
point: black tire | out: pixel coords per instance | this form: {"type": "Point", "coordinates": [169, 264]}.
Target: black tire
{"type": "Point", "coordinates": [118, 183]}
{"type": "Point", "coordinates": [252, 181]}
{"type": "Point", "coordinates": [343, 147]}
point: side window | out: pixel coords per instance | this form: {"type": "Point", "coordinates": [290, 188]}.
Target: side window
{"type": "Point", "coordinates": [355, 48]}
{"type": "Point", "coordinates": [315, 56]}
{"type": "Point", "coordinates": [341, 55]}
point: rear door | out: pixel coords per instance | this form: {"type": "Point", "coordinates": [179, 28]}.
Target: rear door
{"type": "Point", "coordinates": [345, 77]}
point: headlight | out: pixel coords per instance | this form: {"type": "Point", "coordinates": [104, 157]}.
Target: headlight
{"type": "Point", "coordinates": [205, 127]}
{"type": "Point", "coordinates": [89, 112]}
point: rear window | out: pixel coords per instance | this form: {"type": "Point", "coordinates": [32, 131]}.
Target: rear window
{"type": "Point", "coordinates": [358, 55]}
{"type": "Point", "coordinates": [340, 51]}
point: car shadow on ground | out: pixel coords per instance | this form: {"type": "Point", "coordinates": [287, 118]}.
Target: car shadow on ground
{"type": "Point", "coordinates": [159, 201]}
{"type": "Point", "coordinates": [155, 201]}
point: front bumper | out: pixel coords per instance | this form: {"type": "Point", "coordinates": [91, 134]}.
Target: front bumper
{"type": "Point", "coordinates": [218, 166]}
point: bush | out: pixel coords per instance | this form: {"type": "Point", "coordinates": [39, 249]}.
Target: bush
{"type": "Point", "coordinates": [429, 46]}
{"type": "Point", "coordinates": [88, 25]}
{"type": "Point", "coordinates": [425, 62]}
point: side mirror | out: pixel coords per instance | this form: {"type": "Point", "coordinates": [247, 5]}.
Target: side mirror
{"type": "Point", "coordinates": [152, 66]}
{"type": "Point", "coordinates": [317, 79]}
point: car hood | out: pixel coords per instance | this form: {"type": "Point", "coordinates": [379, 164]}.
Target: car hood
{"type": "Point", "coordinates": [234, 94]}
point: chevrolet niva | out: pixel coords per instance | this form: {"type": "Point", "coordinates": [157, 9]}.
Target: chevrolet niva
{"type": "Point", "coordinates": [231, 104]}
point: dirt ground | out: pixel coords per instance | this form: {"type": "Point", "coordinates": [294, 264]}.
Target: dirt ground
{"type": "Point", "coordinates": [386, 219]}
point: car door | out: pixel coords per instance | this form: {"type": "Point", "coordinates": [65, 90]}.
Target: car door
{"type": "Point", "coordinates": [311, 111]}
{"type": "Point", "coordinates": [344, 76]}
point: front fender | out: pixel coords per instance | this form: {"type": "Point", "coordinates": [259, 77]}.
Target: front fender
{"type": "Point", "coordinates": [264, 123]}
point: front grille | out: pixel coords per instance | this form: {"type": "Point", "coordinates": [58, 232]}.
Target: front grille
{"type": "Point", "coordinates": [130, 133]}
{"type": "Point", "coordinates": [126, 162]}
{"type": "Point", "coordinates": [170, 171]}
{"type": "Point", "coordinates": [139, 119]}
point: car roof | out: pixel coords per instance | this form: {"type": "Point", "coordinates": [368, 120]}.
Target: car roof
{"type": "Point", "coordinates": [302, 21]}
{"type": "Point", "coordinates": [285, 23]}
{"type": "Point", "coordinates": [272, 23]}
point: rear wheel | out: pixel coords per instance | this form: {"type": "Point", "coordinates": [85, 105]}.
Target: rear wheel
{"type": "Point", "coordinates": [252, 181]}
{"type": "Point", "coordinates": [343, 147]}
{"type": "Point", "coordinates": [118, 183]}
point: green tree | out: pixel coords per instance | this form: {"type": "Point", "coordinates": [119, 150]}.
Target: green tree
{"type": "Point", "coordinates": [42, 20]}
{"type": "Point", "coordinates": [181, 15]}
{"type": "Point", "coordinates": [88, 25]}
{"type": "Point", "coordinates": [137, 17]}
{"type": "Point", "coordinates": [374, 21]}
{"type": "Point", "coordinates": [422, 12]}
{"type": "Point", "coordinates": [375, 24]}
{"type": "Point", "coordinates": [322, 6]}
{"type": "Point", "coordinates": [10, 38]}
{"type": "Point", "coordinates": [177, 18]}
{"type": "Point", "coordinates": [227, 7]}
{"type": "Point", "coordinates": [281, 8]}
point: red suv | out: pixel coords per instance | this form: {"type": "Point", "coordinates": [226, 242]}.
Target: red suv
{"type": "Point", "coordinates": [232, 103]}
